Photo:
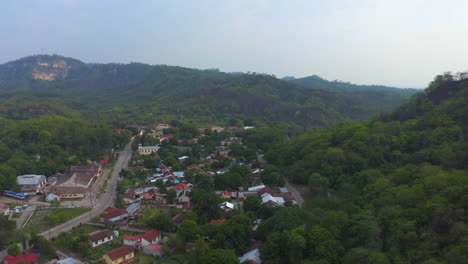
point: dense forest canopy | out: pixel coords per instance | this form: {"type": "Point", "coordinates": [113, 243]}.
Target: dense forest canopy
{"type": "Point", "coordinates": [391, 190]}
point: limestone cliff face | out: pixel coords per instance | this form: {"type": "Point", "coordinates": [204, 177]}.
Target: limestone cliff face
{"type": "Point", "coordinates": [50, 69]}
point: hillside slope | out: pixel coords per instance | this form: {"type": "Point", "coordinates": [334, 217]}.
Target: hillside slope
{"type": "Point", "coordinates": [394, 189]}
{"type": "Point", "coordinates": [145, 93]}
{"type": "Point", "coordinates": [380, 97]}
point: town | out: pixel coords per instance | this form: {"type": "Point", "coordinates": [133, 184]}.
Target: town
{"type": "Point", "coordinates": [171, 189]}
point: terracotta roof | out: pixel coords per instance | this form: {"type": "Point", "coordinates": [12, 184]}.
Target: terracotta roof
{"type": "Point", "coordinates": [151, 235]}
{"type": "Point", "coordinates": [69, 190]}
{"type": "Point", "coordinates": [99, 235]}
{"type": "Point", "coordinates": [222, 221]}
{"type": "Point", "coordinates": [192, 166]}
{"type": "Point", "coordinates": [178, 218]}
{"type": "Point", "coordinates": [266, 189]}
{"type": "Point", "coordinates": [132, 238]}
{"type": "Point", "coordinates": [112, 212]}
{"type": "Point", "coordinates": [225, 192]}
{"type": "Point", "coordinates": [180, 186]}
{"type": "Point", "coordinates": [155, 247]}
{"type": "Point", "coordinates": [28, 258]}
{"type": "Point", "coordinates": [120, 252]}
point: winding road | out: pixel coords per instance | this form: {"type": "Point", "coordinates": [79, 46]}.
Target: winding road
{"type": "Point", "coordinates": [107, 198]}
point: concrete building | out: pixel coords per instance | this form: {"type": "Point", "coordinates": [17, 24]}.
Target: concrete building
{"type": "Point", "coordinates": [77, 182]}
{"type": "Point", "coordinates": [147, 150]}
{"type": "Point", "coordinates": [123, 254]}
{"type": "Point", "coordinates": [31, 183]}
{"type": "Point", "coordinates": [100, 237]}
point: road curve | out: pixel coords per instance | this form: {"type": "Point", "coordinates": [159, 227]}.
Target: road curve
{"type": "Point", "coordinates": [106, 200]}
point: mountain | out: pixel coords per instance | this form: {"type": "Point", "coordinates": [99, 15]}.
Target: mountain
{"type": "Point", "coordinates": [382, 98]}
{"type": "Point", "coordinates": [390, 190]}
{"type": "Point", "coordinates": [144, 93]}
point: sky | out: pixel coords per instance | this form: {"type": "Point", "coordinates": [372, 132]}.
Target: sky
{"type": "Point", "coordinates": [402, 43]}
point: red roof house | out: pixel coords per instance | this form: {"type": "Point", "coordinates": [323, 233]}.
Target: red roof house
{"type": "Point", "coordinates": [124, 252]}
{"type": "Point", "coordinates": [193, 167]}
{"type": "Point", "coordinates": [180, 186]}
{"type": "Point", "coordinates": [28, 258]}
{"type": "Point", "coordinates": [222, 221]}
{"type": "Point", "coordinates": [151, 237]}
{"type": "Point", "coordinates": [225, 194]}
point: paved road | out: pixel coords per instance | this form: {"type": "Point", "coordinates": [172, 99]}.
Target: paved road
{"type": "Point", "coordinates": [21, 221]}
{"type": "Point", "coordinates": [106, 200]}
{"type": "Point", "coordinates": [295, 193]}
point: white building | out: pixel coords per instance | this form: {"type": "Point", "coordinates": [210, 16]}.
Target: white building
{"type": "Point", "coordinates": [147, 150]}
{"type": "Point", "coordinates": [31, 183]}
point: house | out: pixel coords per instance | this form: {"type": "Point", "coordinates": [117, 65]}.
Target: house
{"type": "Point", "coordinates": [123, 255]}
{"type": "Point", "coordinates": [227, 206]}
{"type": "Point", "coordinates": [131, 209]}
{"type": "Point", "coordinates": [113, 214]}
{"type": "Point", "coordinates": [183, 197]}
{"type": "Point", "coordinates": [180, 187]}
{"type": "Point", "coordinates": [193, 167]}
{"type": "Point", "coordinates": [264, 190]}
{"type": "Point", "coordinates": [256, 188]}
{"type": "Point", "coordinates": [225, 194]}
{"type": "Point", "coordinates": [252, 256]}
{"type": "Point", "coordinates": [218, 222]}
{"type": "Point", "coordinates": [283, 190]}
{"type": "Point", "coordinates": [147, 150]}
{"type": "Point", "coordinates": [151, 237]}
{"type": "Point", "coordinates": [31, 183]}
{"type": "Point", "coordinates": [153, 250]}
{"type": "Point", "coordinates": [4, 209]}
{"type": "Point", "coordinates": [68, 260]}
{"type": "Point", "coordinates": [100, 237]}
{"type": "Point", "coordinates": [179, 174]}
{"type": "Point", "coordinates": [28, 258]}
{"type": "Point", "coordinates": [161, 126]}
{"type": "Point", "coordinates": [52, 197]}
{"type": "Point", "coordinates": [133, 241]}
{"type": "Point", "coordinates": [270, 200]}
{"type": "Point", "coordinates": [69, 192]}
{"type": "Point", "coordinates": [129, 196]}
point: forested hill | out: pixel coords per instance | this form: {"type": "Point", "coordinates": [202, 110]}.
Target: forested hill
{"type": "Point", "coordinates": [135, 92]}
{"type": "Point", "coordinates": [391, 190]}
{"type": "Point", "coordinates": [381, 97]}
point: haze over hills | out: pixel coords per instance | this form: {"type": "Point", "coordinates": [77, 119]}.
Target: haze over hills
{"type": "Point", "coordinates": [44, 84]}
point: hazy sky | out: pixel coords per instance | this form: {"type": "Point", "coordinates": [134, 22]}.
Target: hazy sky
{"type": "Point", "coordinates": [403, 43]}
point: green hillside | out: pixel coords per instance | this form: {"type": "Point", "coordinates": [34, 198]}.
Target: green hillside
{"type": "Point", "coordinates": [146, 93]}
{"type": "Point", "coordinates": [391, 190]}
{"type": "Point", "coordinates": [379, 97]}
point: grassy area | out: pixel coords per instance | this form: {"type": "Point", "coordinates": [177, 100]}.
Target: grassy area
{"type": "Point", "coordinates": [44, 219]}
{"type": "Point", "coordinates": [144, 259]}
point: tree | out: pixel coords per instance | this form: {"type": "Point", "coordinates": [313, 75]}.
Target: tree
{"type": "Point", "coordinates": [206, 205]}
{"type": "Point", "coordinates": [322, 245]}
{"type": "Point", "coordinates": [220, 256]}
{"type": "Point", "coordinates": [201, 250]}
{"type": "Point", "coordinates": [171, 195]}
{"type": "Point", "coordinates": [14, 250]}
{"type": "Point", "coordinates": [188, 230]}
{"type": "Point", "coordinates": [252, 203]}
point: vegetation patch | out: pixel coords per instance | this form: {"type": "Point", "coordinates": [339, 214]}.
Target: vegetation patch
{"type": "Point", "coordinates": [44, 219]}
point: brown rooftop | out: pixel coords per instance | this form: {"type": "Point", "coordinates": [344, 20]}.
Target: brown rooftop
{"type": "Point", "coordinates": [99, 235]}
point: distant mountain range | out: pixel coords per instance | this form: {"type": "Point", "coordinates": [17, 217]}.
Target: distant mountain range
{"type": "Point", "coordinates": [55, 85]}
